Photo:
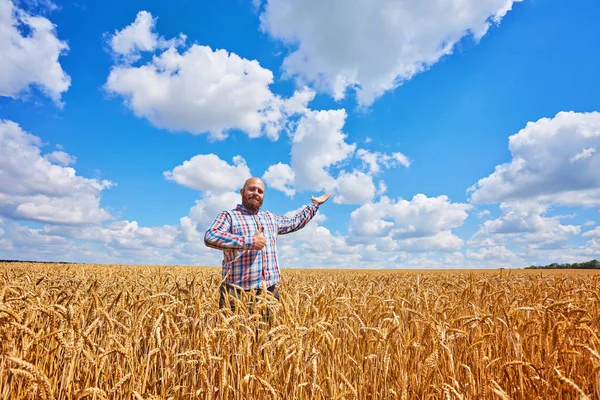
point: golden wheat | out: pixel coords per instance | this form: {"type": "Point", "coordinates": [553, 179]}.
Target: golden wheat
{"type": "Point", "coordinates": [126, 332]}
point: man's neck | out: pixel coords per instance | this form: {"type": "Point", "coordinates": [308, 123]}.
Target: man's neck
{"type": "Point", "coordinates": [250, 210]}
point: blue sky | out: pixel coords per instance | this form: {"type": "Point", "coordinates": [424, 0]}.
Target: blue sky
{"type": "Point", "coordinates": [450, 135]}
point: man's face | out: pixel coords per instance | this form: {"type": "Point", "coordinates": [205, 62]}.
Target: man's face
{"type": "Point", "coordinates": [252, 194]}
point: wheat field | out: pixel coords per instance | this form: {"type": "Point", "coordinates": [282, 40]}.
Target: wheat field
{"type": "Point", "coordinates": [127, 332]}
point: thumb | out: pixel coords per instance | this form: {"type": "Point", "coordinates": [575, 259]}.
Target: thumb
{"type": "Point", "coordinates": [262, 229]}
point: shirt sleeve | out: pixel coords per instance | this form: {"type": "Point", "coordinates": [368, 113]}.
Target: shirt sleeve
{"type": "Point", "coordinates": [218, 235]}
{"type": "Point", "coordinates": [292, 224]}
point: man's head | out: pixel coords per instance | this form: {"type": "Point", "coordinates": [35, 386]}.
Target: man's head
{"type": "Point", "coordinates": [253, 194]}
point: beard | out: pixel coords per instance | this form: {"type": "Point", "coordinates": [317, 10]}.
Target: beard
{"type": "Point", "coordinates": [251, 203]}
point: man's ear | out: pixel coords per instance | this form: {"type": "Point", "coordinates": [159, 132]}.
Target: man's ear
{"type": "Point", "coordinates": [242, 192]}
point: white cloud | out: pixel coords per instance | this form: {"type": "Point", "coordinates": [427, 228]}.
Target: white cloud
{"type": "Point", "coordinates": [4, 243]}
{"type": "Point", "coordinates": [421, 225]}
{"type": "Point", "coordinates": [122, 242]}
{"type": "Point", "coordinates": [381, 188]}
{"type": "Point", "coordinates": [139, 37]}
{"type": "Point", "coordinates": [60, 157]}
{"type": "Point", "coordinates": [517, 218]}
{"type": "Point", "coordinates": [120, 234]}
{"type": "Point", "coordinates": [319, 144]}
{"type": "Point", "coordinates": [321, 160]}
{"type": "Point", "coordinates": [442, 241]}
{"type": "Point", "coordinates": [199, 90]}
{"type": "Point", "coordinates": [487, 241]}
{"type": "Point", "coordinates": [552, 160]}
{"type": "Point", "coordinates": [319, 147]}
{"type": "Point", "coordinates": [202, 214]}
{"type": "Point", "coordinates": [589, 249]}
{"type": "Point", "coordinates": [374, 160]}
{"type": "Point", "coordinates": [33, 188]}
{"type": "Point", "coordinates": [210, 205]}
{"type": "Point", "coordinates": [583, 155]}
{"type": "Point", "coordinates": [589, 223]}
{"type": "Point", "coordinates": [75, 209]}
{"type": "Point", "coordinates": [453, 259]}
{"type": "Point", "coordinates": [536, 256]}
{"type": "Point", "coordinates": [372, 47]}
{"type": "Point", "coordinates": [24, 236]}
{"type": "Point", "coordinates": [525, 223]}
{"type": "Point", "coordinates": [281, 177]}
{"type": "Point", "coordinates": [314, 246]}
{"type": "Point", "coordinates": [483, 213]}
{"type": "Point", "coordinates": [354, 188]}
{"type": "Point", "coordinates": [594, 233]}
{"type": "Point", "coordinates": [495, 253]}
{"type": "Point", "coordinates": [128, 234]}
{"type": "Point", "coordinates": [209, 172]}
{"type": "Point", "coordinates": [421, 217]}
{"type": "Point", "coordinates": [30, 60]}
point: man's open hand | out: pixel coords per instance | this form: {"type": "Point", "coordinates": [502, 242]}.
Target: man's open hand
{"type": "Point", "coordinates": [321, 199]}
{"type": "Point", "coordinates": [258, 240]}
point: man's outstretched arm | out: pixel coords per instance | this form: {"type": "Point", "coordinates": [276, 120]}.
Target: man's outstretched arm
{"type": "Point", "coordinates": [218, 235]}
{"type": "Point", "coordinates": [299, 221]}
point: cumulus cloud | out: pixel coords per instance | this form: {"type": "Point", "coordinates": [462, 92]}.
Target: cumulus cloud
{"type": "Point", "coordinates": [423, 224]}
{"type": "Point", "coordinates": [583, 154]}
{"type": "Point", "coordinates": [202, 214]}
{"type": "Point", "coordinates": [24, 236]}
{"type": "Point", "coordinates": [30, 60]}
{"type": "Point", "coordinates": [526, 223]}
{"type": "Point", "coordinates": [353, 188]}
{"type": "Point", "coordinates": [374, 161]}
{"type": "Point", "coordinates": [315, 246]}
{"type": "Point", "coordinates": [453, 259]}
{"type": "Point", "coordinates": [121, 234]}
{"type": "Point", "coordinates": [209, 172]}
{"type": "Point", "coordinates": [553, 159]}
{"type": "Point", "coordinates": [483, 213]}
{"type": "Point", "coordinates": [373, 47]}
{"type": "Point", "coordinates": [494, 253]}
{"type": "Point", "coordinates": [281, 177]}
{"type": "Point", "coordinates": [594, 233]}
{"type": "Point", "coordinates": [589, 249]}
{"type": "Point", "coordinates": [61, 158]}
{"type": "Point", "coordinates": [321, 160]}
{"type": "Point", "coordinates": [319, 149]}
{"type": "Point", "coordinates": [318, 144]}
{"type": "Point", "coordinates": [139, 37]}
{"type": "Point", "coordinates": [119, 242]}
{"type": "Point", "coordinates": [420, 217]}
{"type": "Point", "coordinates": [33, 188]}
{"type": "Point", "coordinates": [444, 241]}
{"type": "Point", "coordinates": [198, 90]}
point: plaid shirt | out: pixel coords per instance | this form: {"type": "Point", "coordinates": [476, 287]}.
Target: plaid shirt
{"type": "Point", "coordinates": [232, 232]}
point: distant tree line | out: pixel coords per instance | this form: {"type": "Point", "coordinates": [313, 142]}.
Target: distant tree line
{"type": "Point", "coordinates": [593, 264]}
{"type": "Point", "coordinates": [36, 262]}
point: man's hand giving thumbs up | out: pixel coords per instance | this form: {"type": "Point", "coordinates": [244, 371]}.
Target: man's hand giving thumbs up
{"type": "Point", "coordinates": [258, 240]}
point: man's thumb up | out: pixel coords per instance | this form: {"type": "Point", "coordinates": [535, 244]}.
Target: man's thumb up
{"type": "Point", "coordinates": [258, 240]}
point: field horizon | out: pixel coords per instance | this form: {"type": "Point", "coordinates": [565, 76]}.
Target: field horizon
{"type": "Point", "coordinates": [64, 263]}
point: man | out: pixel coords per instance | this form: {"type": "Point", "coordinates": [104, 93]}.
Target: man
{"type": "Point", "coordinates": [248, 238]}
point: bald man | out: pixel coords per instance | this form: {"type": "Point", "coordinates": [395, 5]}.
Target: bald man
{"type": "Point", "coordinates": [248, 236]}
